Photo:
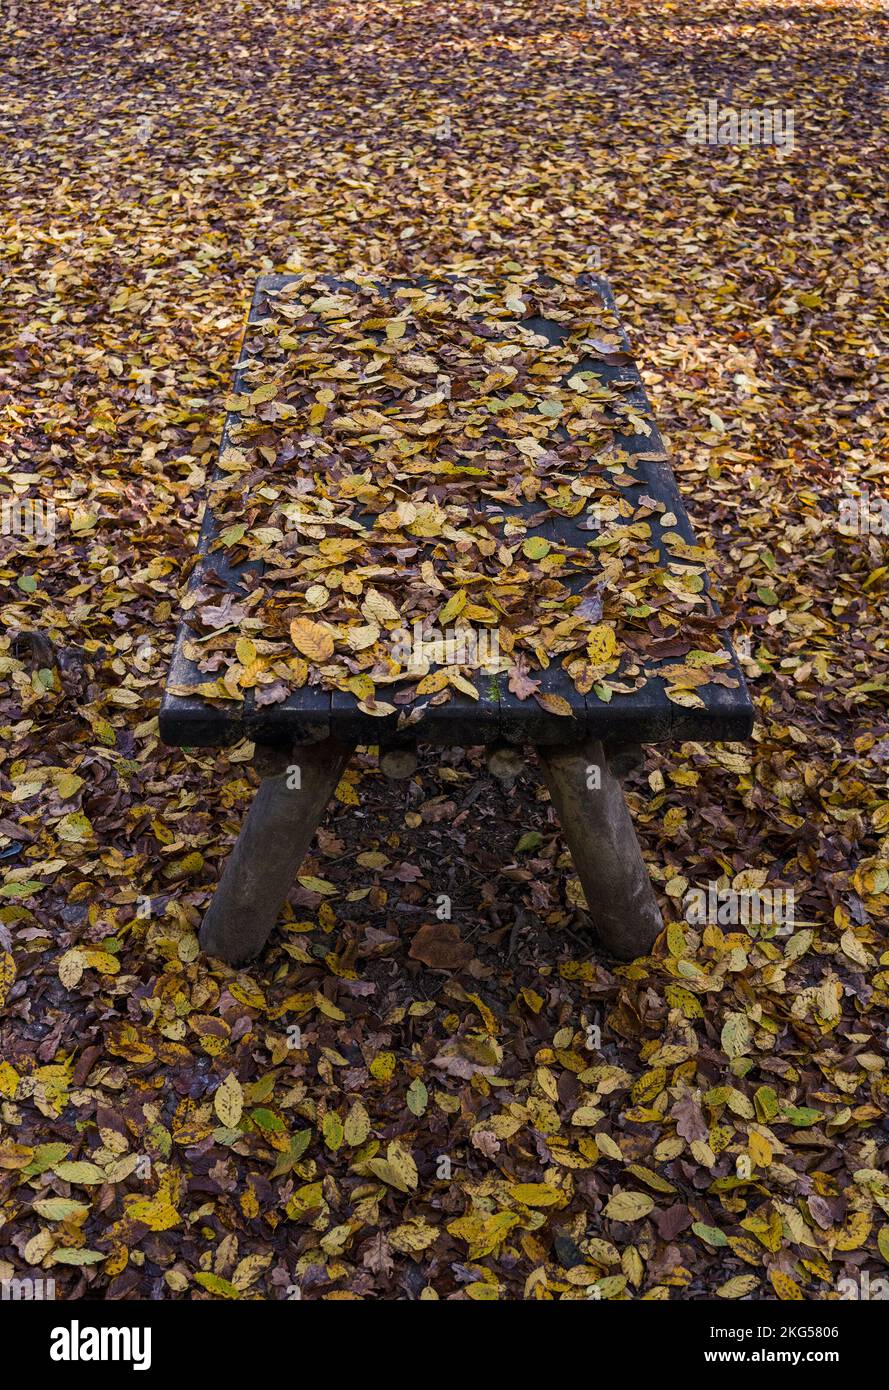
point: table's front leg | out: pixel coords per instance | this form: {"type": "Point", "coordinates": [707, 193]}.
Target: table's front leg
{"type": "Point", "coordinates": [596, 824]}
{"type": "Point", "coordinates": [274, 838]}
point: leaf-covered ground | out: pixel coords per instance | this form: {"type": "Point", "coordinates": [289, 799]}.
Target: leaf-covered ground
{"type": "Point", "coordinates": [344, 1119]}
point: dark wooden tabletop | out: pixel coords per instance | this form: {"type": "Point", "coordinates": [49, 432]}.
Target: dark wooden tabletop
{"type": "Point", "coordinates": [646, 715]}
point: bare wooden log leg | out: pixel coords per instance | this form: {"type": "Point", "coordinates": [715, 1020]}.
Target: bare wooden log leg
{"type": "Point", "coordinates": [276, 833]}
{"type": "Point", "coordinates": [600, 835]}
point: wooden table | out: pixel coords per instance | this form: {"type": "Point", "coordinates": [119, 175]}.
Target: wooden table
{"type": "Point", "coordinates": [580, 752]}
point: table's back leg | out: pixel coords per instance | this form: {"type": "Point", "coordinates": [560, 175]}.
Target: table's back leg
{"type": "Point", "coordinates": [596, 824]}
{"type": "Point", "coordinates": [276, 833]}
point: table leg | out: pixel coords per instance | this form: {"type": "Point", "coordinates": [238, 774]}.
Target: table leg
{"type": "Point", "coordinates": [274, 838]}
{"type": "Point", "coordinates": [596, 824]}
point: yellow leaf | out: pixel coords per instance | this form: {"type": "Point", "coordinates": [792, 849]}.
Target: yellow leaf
{"type": "Point", "coordinates": [345, 792]}
{"type": "Point", "coordinates": [74, 828]}
{"type": "Point", "coordinates": [648, 1085]}
{"type": "Point", "coordinates": [760, 1149]}
{"type": "Point", "coordinates": [361, 637]}
{"type": "Point", "coordinates": [455, 604]}
{"type": "Point", "coordinates": [379, 609]}
{"type": "Point", "coordinates": [398, 1168]}
{"type": "Point", "coordinates": [228, 1102]}
{"type": "Point", "coordinates": [852, 947]}
{"type": "Point", "coordinates": [314, 640]}
{"type": "Point", "coordinates": [9, 1080]}
{"type": "Point", "coordinates": [786, 1288]}
{"type": "Point", "coordinates": [413, 1236]}
{"type": "Point", "coordinates": [382, 1066]}
{"type": "Point", "coordinates": [378, 709]}
{"type": "Point", "coordinates": [328, 1008]}
{"type": "Point", "coordinates": [433, 683]}
{"type": "Point", "coordinates": [357, 1125]}
{"type": "Point", "coordinates": [361, 686]}
{"type": "Point", "coordinates": [159, 1212]}
{"type": "Point", "coordinates": [68, 784]}
{"type": "Point", "coordinates": [587, 1115]}
{"type": "Point", "coordinates": [316, 885]}
{"type": "Point", "coordinates": [463, 685]}
{"type": "Point", "coordinates": [332, 1129]}
{"type": "Point", "coordinates": [71, 966]}
{"type": "Point", "coordinates": [554, 704]}
{"type": "Point", "coordinates": [372, 859]}
{"type": "Point", "coordinates": [402, 1163]}
{"type": "Point", "coordinates": [737, 1287]}
{"type": "Point", "coordinates": [736, 1034]}
{"type": "Point", "coordinates": [537, 1194]}
{"type": "Point", "coordinates": [483, 1233]}
{"type": "Point", "coordinates": [263, 393]}
{"type": "Point", "coordinates": [855, 1232]}
{"type": "Point", "coordinates": [687, 698]}
{"type": "Point", "coordinates": [214, 1283]}
{"type": "Point", "coordinates": [628, 1206]}
{"type": "Point", "coordinates": [601, 644]}
{"type": "Point", "coordinates": [249, 1269]}
{"type": "Point", "coordinates": [7, 975]}
{"type": "Point", "coordinates": [306, 1198]}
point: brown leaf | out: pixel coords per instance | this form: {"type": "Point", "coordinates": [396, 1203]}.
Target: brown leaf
{"type": "Point", "coordinates": [440, 946]}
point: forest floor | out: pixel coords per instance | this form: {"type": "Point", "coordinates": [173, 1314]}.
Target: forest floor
{"type": "Point", "coordinates": [342, 1118]}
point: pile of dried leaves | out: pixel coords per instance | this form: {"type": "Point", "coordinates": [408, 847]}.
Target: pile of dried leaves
{"type": "Point", "coordinates": [392, 1102]}
{"type": "Point", "coordinates": [367, 505]}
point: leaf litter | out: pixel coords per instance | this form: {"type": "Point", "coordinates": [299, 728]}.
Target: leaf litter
{"type": "Point", "coordinates": [526, 1120]}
